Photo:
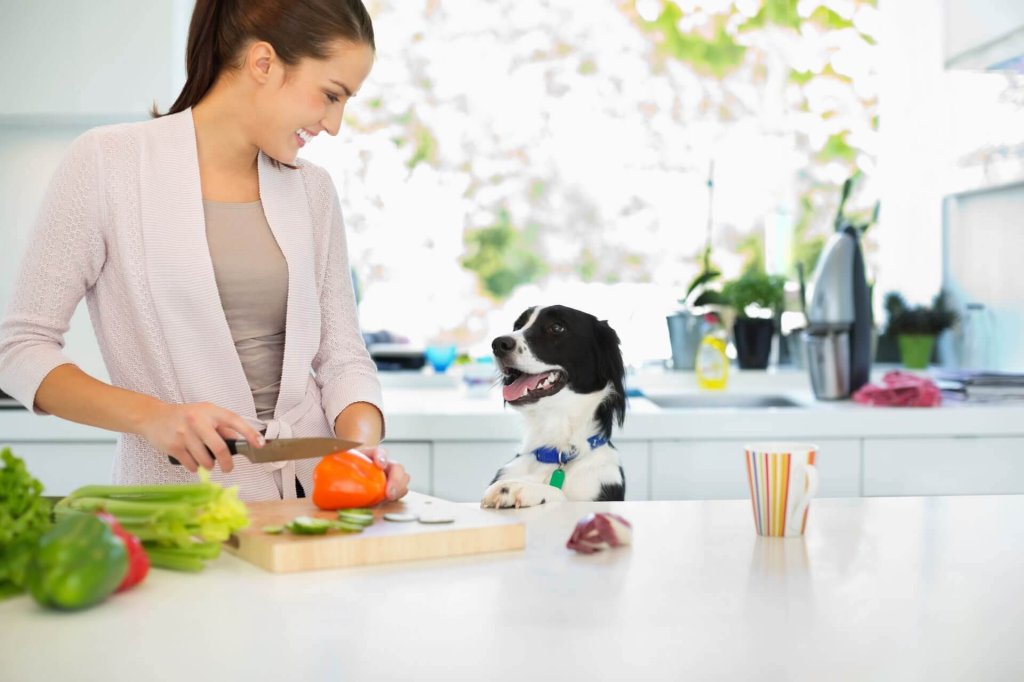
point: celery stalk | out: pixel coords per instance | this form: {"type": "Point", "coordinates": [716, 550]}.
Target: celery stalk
{"type": "Point", "coordinates": [180, 525]}
{"type": "Point", "coordinates": [172, 560]}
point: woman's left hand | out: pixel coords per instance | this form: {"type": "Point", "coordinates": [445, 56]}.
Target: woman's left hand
{"type": "Point", "coordinates": [398, 479]}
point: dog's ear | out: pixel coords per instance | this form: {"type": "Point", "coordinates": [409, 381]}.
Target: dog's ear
{"type": "Point", "coordinates": [523, 317]}
{"type": "Point", "coordinates": [610, 368]}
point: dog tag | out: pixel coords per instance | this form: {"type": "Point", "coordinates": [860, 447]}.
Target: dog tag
{"type": "Point", "coordinates": [557, 478]}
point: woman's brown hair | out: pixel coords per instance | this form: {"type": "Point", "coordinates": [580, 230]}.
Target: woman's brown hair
{"type": "Point", "coordinates": [295, 28]}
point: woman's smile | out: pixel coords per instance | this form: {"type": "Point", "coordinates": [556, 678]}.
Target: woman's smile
{"type": "Point", "coordinates": [303, 136]}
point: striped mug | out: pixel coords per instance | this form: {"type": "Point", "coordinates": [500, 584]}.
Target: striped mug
{"type": "Point", "coordinates": [783, 479]}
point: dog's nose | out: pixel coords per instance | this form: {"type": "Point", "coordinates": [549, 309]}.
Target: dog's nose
{"type": "Point", "coordinates": [503, 345]}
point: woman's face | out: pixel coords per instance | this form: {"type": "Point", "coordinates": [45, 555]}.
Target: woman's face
{"type": "Point", "coordinates": [309, 99]}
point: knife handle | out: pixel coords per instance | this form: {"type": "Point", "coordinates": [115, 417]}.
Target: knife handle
{"type": "Point", "coordinates": [232, 448]}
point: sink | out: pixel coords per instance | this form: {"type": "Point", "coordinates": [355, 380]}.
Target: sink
{"type": "Point", "coordinates": [721, 400]}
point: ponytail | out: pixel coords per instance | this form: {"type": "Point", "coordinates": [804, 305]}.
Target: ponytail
{"type": "Point", "coordinates": [203, 60]}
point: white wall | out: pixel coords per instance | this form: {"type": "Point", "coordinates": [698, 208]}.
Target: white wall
{"type": "Point", "coordinates": [28, 158]}
{"type": "Point", "coordinates": [985, 244]}
{"type": "Point", "coordinates": [101, 58]}
{"type": "Point", "coordinates": [69, 65]}
{"type": "Point", "coordinates": [910, 162]}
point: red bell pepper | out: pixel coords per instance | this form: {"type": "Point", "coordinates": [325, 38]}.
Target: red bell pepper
{"type": "Point", "coordinates": [138, 561]}
{"type": "Point", "coordinates": [345, 480]}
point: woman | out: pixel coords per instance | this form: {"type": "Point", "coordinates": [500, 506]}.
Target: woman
{"type": "Point", "coordinates": [213, 262]}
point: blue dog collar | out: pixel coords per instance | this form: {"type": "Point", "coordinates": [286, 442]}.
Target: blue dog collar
{"type": "Point", "coordinates": [550, 455]}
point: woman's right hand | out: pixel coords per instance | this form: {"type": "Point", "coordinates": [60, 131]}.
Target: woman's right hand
{"type": "Point", "coordinates": [190, 432]}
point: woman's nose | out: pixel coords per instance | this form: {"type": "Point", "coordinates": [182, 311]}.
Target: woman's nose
{"type": "Point", "coordinates": [332, 124]}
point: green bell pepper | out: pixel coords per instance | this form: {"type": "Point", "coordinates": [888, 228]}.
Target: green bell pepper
{"type": "Point", "coordinates": [78, 563]}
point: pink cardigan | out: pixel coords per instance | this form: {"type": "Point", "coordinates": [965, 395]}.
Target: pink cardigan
{"type": "Point", "coordinates": [122, 225]}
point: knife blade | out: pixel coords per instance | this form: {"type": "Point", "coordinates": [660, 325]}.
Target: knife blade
{"type": "Point", "coordinates": [283, 449]}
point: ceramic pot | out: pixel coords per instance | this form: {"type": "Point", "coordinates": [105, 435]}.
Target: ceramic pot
{"type": "Point", "coordinates": [753, 339]}
{"type": "Point", "coordinates": [916, 350]}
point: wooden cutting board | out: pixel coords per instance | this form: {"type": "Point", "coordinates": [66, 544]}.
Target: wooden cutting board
{"type": "Point", "coordinates": [473, 531]}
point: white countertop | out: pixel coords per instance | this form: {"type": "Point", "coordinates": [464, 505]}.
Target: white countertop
{"type": "Point", "coordinates": [436, 408]}
{"type": "Point", "coordinates": [881, 588]}
{"type": "Point", "coordinates": [422, 407]}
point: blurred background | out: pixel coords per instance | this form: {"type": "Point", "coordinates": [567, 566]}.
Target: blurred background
{"type": "Point", "coordinates": [602, 154]}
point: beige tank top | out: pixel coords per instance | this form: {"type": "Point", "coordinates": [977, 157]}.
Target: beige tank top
{"type": "Point", "coordinates": [252, 280]}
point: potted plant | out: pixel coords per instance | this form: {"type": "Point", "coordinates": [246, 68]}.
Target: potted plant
{"type": "Point", "coordinates": [916, 327]}
{"type": "Point", "coordinates": [757, 299]}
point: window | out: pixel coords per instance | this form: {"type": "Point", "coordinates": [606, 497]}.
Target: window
{"type": "Point", "coordinates": [499, 157]}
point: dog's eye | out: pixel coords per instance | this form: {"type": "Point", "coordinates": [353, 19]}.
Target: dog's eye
{"type": "Point", "coordinates": [556, 328]}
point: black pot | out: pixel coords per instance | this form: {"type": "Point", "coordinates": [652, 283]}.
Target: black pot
{"type": "Point", "coordinates": [753, 338]}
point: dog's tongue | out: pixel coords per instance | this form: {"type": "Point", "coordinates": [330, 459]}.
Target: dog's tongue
{"type": "Point", "coordinates": [518, 388]}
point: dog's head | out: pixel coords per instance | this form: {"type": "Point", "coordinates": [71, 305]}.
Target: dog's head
{"type": "Point", "coordinates": [554, 350]}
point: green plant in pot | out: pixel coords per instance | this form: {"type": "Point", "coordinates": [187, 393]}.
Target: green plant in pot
{"type": "Point", "coordinates": [752, 292]}
{"type": "Point", "coordinates": [699, 292]}
{"type": "Point", "coordinates": [917, 327]}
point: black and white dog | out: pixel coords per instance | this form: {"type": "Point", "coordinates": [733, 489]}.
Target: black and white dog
{"type": "Point", "coordinates": [563, 370]}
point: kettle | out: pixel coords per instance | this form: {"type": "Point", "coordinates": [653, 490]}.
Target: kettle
{"type": "Point", "coordinates": [839, 319]}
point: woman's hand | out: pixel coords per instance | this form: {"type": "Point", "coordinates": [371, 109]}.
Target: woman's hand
{"type": "Point", "coordinates": [398, 479]}
{"type": "Point", "coordinates": [363, 423]}
{"type": "Point", "coordinates": [190, 432]}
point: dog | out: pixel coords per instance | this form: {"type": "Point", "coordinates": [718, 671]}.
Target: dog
{"type": "Point", "coordinates": [563, 370]}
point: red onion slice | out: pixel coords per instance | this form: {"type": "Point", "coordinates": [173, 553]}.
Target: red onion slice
{"type": "Point", "coordinates": [598, 531]}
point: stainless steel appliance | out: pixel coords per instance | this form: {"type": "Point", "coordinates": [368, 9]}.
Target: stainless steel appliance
{"type": "Point", "coordinates": [839, 320]}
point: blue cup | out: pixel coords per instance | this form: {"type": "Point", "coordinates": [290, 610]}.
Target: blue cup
{"type": "Point", "coordinates": [441, 357]}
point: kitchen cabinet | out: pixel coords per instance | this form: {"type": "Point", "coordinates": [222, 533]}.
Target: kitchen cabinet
{"type": "Point", "coordinates": [636, 464]}
{"type": "Point", "coordinates": [416, 458]}
{"type": "Point", "coordinates": [715, 469]}
{"type": "Point", "coordinates": [452, 449]}
{"type": "Point", "coordinates": [68, 60]}
{"type": "Point", "coordinates": [943, 466]}
{"type": "Point", "coordinates": [62, 466]}
{"type": "Point", "coordinates": [463, 470]}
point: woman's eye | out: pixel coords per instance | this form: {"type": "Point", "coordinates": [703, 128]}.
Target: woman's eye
{"type": "Point", "coordinates": [556, 328]}
{"type": "Point", "coordinates": [331, 98]}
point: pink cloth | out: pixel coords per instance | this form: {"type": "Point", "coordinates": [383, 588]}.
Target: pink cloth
{"type": "Point", "coordinates": [123, 226]}
{"type": "Point", "coordinates": [900, 390]}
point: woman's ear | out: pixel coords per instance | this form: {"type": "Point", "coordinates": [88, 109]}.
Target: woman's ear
{"type": "Point", "coordinates": [261, 60]}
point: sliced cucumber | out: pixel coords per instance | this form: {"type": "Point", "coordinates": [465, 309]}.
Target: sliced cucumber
{"type": "Point", "coordinates": [273, 530]}
{"type": "Point", "coordinates": [359, 517]}
{"type": "Point", "coordinates": [357, 512]}
{"type": "Point", "coordinates": [346, 527]}
{"type": "Point", "coordinates": [308, 525]}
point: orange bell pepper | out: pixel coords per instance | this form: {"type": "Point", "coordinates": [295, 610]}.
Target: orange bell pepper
{"type": "Point", "coordinates": [344, 480]}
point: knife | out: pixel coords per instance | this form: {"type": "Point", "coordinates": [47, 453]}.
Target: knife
{"type": "Point", "coordinates": [282, 449]}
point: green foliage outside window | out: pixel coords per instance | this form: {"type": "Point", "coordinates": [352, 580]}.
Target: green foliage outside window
{"type": "Point", "coordinates": [719, 55]}
{"type": "Point", "coordinates": [502, 256]}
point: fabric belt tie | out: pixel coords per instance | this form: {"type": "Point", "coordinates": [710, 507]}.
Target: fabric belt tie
{"type": "Point", "coordinates": [281, 427]}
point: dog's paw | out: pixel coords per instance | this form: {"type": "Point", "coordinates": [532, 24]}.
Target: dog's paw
{"type": "Point", "coordinates": [507, 494]}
